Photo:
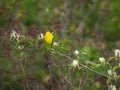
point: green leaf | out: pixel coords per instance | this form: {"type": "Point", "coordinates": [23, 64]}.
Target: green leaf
{"type": "Point", "coordinates": [47, 47]}
{"type": "Point", "coordinates": [87, 50]}
{"type": "Point", "coordinates": [102, 68]}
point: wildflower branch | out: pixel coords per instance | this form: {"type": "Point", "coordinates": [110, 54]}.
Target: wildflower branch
{"type": "Point", "coordinates": [84, 65]}
{"type": "Point", "coordinates": [95, 71]}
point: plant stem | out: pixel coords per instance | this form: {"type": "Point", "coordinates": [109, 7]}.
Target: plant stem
{"type": "Point", "coordinates": [27, 85]}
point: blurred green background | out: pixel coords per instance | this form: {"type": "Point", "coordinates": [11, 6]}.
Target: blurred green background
{"type": "Point", "coordinates": [62, 14]}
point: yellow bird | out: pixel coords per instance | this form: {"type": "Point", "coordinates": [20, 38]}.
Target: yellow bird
{"type": "Point", "coordinates": [48, 37]}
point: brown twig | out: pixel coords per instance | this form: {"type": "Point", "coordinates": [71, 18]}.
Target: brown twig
{"type": "Point", "coordinates": [27, 85]}
{"type": "Point", "coordinates": [67, 81]}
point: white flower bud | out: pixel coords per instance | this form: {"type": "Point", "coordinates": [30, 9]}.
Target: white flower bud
{"type": "Point", "coordinates": [109, 72]}
{"type": "Point", "coordinates": [117, 54]}
{"type": "Point", "coordinates": [20, 47]}
{"type": "Point", "coordinates": [76, 52]}
{"type": "Point", "coordinates": [40, 36]}
{"type": "Point", "coordinates": [75, 63]}
{"type": "Point", "coordinates": [112, 87]}
{"type": "Point", "coordinates": [102, 59]}
{"type": "Point", "coordinates": [55, 44]}
{"type": "Point", "coordinates": [14, 35]}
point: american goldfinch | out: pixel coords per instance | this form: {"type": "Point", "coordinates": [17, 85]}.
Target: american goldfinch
{"type": "Point", "coordinates": [48, 37]}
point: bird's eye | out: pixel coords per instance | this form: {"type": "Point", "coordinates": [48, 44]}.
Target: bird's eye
{"type": "Point", "coordinates": [51, 31]}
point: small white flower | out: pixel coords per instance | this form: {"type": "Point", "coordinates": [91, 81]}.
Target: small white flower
{"type": "Point", "coordinates": [102, 59]}
{"type": "Point", "coordinates": [112, 87]}
{"type": "Point", "coordinates": [20, 47]}
{"type": "Point", "coordinates": [76, 52]}
{"type": "Point", "coordinates": [14, 35]}
{"type": "Point", "coordinates": [75, 63]}
{"type": "Point", "coordinates": [55, 44]}
{"type": "Point", "coordinates": [117, 53]}
{"type": "Point", "coordinates": [109, 72]}
{"type": "Point", "coordinates": [40, 36]}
